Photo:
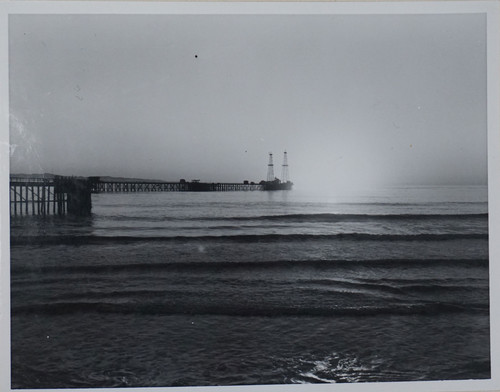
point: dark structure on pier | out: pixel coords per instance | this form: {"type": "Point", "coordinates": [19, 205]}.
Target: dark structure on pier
{"type": "Point", "coordinates": [58, 195]}
{"type": "Point", "coordinates": [50, 195]}
{"type": "Point", "coordinates": [273, 183]}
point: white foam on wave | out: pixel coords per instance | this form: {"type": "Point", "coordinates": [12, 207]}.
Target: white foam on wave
{"type": "Point", "coordinates": [333, 368]}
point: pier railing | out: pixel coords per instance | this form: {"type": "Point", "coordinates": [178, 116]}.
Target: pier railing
{"type": "Point", "coordinates": [131, 186]}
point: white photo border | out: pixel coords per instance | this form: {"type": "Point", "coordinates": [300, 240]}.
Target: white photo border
{"type": "Point", "coordinates": [490, 8]}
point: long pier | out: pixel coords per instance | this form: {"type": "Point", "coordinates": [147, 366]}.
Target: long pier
{"type": "Point", "coordinates": [113, 186]}
{"type": "Point", "coordinates": [58, 195]}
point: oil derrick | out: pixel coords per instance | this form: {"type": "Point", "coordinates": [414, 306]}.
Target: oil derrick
{"type": "Point", "coordinates": [284, 169]}
{"type": "Point", "coordinates": [270, 168]}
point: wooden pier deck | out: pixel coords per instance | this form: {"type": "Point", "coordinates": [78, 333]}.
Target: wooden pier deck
{"type": "Point", "coordinates": [58, 195]}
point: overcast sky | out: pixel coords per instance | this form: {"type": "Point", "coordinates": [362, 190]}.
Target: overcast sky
{"type": "Point", "coordinates": [387, 99]}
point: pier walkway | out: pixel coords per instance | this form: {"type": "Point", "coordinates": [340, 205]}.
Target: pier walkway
{"type": "Point", "coordinates": [58, 195]}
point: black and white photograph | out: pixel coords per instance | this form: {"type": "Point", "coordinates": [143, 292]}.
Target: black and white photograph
{"type": "Point", "coordinates": [249, 196]}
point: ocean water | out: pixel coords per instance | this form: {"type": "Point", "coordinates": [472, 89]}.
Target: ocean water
{"type": "Point", "coordinates": [239, 288]}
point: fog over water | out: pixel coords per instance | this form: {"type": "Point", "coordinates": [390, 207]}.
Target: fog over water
{"type": "Point", "coordinates": [356, 100]}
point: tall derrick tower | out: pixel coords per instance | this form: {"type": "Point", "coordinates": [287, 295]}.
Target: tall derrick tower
{"type": "Point", "coordinates": [284, 169]}
{"type": "Point", "coordinates": [270, 168]}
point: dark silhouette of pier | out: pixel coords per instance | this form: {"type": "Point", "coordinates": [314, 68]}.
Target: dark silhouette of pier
{"type": "Point", "coordinates": [47, 194]}
{"type": "Point", "coordinates": [58, 195]}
